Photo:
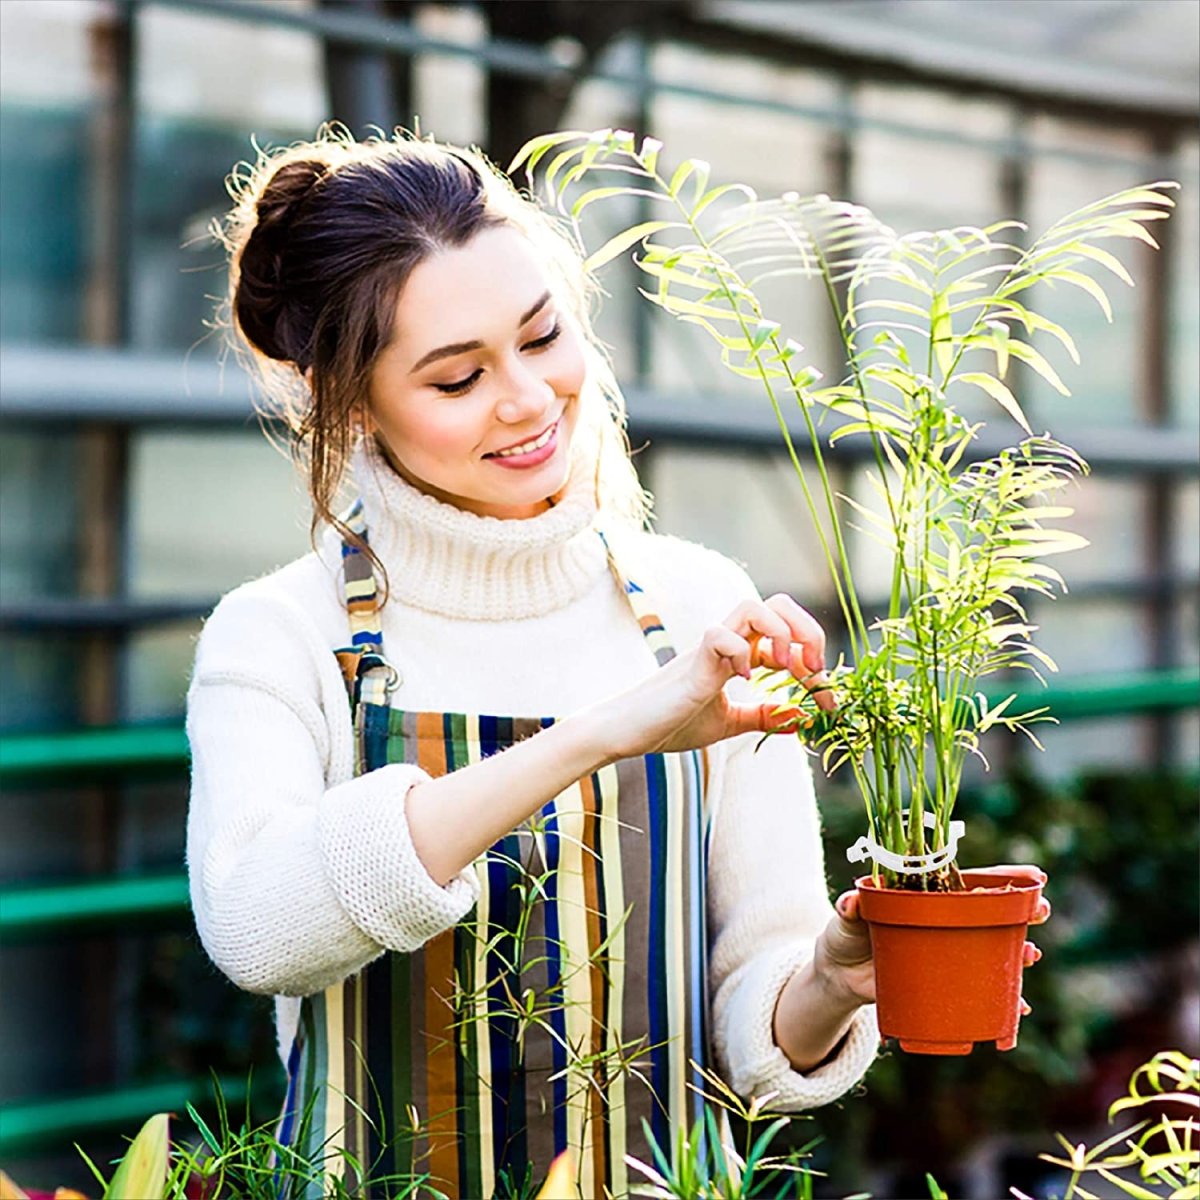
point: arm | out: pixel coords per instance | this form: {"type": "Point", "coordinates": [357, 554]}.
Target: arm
{"type": "Point", "coordinates": [300, 874]}
{"type": "Point", "coordinates": [681, 706]}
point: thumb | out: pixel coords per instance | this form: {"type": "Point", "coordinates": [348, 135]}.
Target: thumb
{"type": "Point", "coordinates": [761, 718]}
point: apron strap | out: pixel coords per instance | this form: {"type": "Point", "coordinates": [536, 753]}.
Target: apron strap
{"type": "Point", "coordinates": [369, 677]}
{"type": "Point", "coordinates": [643, 608]}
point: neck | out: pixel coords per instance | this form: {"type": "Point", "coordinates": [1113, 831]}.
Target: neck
{"type": "Point", "coordinates": [443, 559]}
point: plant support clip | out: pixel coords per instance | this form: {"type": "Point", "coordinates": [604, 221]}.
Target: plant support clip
{"type": "Point", "coordinates": [909, 864]}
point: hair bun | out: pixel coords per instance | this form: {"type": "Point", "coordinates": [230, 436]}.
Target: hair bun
{"type": "Point", "coordinates": [269, 317]}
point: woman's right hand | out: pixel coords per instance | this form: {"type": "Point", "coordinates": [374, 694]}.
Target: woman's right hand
{"type": "Point", "coordinates": [684, 706]}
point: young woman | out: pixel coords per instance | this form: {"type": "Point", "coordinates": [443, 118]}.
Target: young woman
{"type": "Point", "coordinates": [478, 789]}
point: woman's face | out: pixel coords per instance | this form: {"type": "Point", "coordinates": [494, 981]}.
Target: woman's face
{"type": "Point", "coordinates": [476, 397]}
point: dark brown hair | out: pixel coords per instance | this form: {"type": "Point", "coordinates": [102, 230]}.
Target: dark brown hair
{"type": "Point", "coordinates": [323, 236]}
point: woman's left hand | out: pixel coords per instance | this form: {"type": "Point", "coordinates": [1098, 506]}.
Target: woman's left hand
{"type": "Point", "coordinates": [842, 957]}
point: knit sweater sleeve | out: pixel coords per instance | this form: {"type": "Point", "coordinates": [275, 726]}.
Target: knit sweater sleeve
{"type": "Point", "coordinates": [768, 904]}
{"type": "Point", "coordinates": [300, 874]}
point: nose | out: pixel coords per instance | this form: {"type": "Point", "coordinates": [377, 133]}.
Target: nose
{"type": "Point", "coordinates": [524, 394]}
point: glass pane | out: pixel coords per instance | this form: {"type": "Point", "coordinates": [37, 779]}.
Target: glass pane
{"type": "Point", "coordinates": [1111, 513]}
{"type": "Point", "coordinates": [46, 86]}
{"type": "Point", "coordinates": [210, 510]}
{"type": "Point", "coordinates": [747, 506]}
{"type": "Point", "coordinates": [1106, 388]}
{"type": "Point", "coordinates": [959, 179]}
{"type": "Point", "coordinates": [192, 128]}
{"type": "Point", "coordinates": [1186, 531]}
{"type": "Point", "coordinates": [1187, 751]}
{"type": "Point", "coordinates": [1100, 638]}
{"type": "Point", "coordinates": [449, 92]}
{"type": "Point", "coordinates": [39, 519]}
{"type": "Point", "coordinates": [158, 669]}
{"type": "Point", "coordinates": [1119, 742]}
{"type": "Point", "coordinates": [1184, 330]}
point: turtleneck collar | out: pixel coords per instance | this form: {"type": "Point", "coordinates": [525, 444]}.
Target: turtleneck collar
{"type": "Point", "coordinates": [444, 560]}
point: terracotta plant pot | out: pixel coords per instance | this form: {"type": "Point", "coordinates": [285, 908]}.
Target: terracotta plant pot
{"type": "Point", "coordinates": [948, 964]}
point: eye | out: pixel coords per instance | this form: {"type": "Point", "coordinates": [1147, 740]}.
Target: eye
{"type": "Point", "coordinates": [546, 339]}
{"type": "Point", "coordinates": [460, 386]}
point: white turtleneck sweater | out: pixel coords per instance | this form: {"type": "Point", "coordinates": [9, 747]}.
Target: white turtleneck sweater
{"type": "Point", "coordinates": [301, 874]}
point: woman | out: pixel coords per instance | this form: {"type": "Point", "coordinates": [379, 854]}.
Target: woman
{"type": "Point", "coordinates": [477, 791]}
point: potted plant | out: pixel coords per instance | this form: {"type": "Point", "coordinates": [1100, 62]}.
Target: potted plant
{"type": "Point", "coordinates": [967, 520]}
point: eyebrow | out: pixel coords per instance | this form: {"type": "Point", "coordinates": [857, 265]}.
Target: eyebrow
{"type": "Point", "coordinates": [462, 347]}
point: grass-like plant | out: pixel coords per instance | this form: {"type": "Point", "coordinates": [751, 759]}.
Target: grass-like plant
{"type": "Point", "coordinates": [1162, 1151]}
{"type": "Point", "coordinates": [923, 318]}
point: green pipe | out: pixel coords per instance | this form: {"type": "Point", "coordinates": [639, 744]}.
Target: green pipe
{"type": "Point", "coordinates": [1113, 695]}
{"type": "Point", "coordinates": [67, 1119]}
{"type": "Point", "coordinates": [26, 754]}
{"type": "Point", "coordinates": [36, 909]}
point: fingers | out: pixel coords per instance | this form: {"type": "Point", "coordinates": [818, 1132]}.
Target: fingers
{"type": "Point", "coordinates": [1030, 953]}
{"type": "Point", "coordinates": [846, 906]}
{"type": "Point", "coordinates": [1042, 913]}
{"type": "Point", "coordinates": [783, 622]}
{"type": "Point", "coordinates": [784, 636]}
{"type": "Point", "coordinates": [725, 644]}
{"type": "Point", "coordinates": [1026, 1008]}
{"type": "Point", "coordinates": [762, 718]}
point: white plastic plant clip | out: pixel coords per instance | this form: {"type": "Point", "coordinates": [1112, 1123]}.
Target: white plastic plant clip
{"type": "Point", "coordinates": [911, 864]}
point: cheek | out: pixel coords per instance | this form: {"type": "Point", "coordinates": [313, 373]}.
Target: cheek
{"type": "Point", "coordinates": [570, 369]}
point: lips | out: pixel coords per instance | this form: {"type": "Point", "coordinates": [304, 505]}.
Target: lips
{"type": "Point", "coordinates": [527, 446]}
{"type": "Point", "coordinates": [529, 454]}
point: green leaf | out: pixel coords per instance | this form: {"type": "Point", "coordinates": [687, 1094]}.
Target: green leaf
{"type": "Point", "coordinates": [1088, 284]}
{"type": "Point", "coordinates": [684, 171]}
{"type": "Point", "coordinates": [605, 193]}
{"type": "Point", "coordinates": [999, 392]}
{"type": "Point", "coordinates": [716, 193]}
{"type": "Point", "coordinates": [534, 149]}
{"type": "Point", "coordinates": [1035, 359]}
{"type": "Point", "coordinates": [1000, 331]}
{"type": "Point", "coordinates": [1039, 324]}
{"type": "Point", "coordinates": [623, 241]}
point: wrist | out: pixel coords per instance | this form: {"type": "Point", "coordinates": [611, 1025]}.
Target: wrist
{"type": "Point", "coordinates": [592, 736]}
{"type": "Point", "coordinates": [836, 981]}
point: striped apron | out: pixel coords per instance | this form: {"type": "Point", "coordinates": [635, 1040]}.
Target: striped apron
{"type": "Point", "coordinates": [567, 1009]}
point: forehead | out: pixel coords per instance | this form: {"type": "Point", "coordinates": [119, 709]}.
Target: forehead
{"type": "Point", "coordinates": [468, 292]}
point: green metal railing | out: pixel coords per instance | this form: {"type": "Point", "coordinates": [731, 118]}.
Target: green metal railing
{"type": "Point", "coordinates": [25, 1127]}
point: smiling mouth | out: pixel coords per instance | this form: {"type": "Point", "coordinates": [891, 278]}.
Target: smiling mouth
{"type": "Point", "coordinates": [525, 447]}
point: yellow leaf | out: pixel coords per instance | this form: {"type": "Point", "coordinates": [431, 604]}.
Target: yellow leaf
{"type": "Point", "coordinates": [999, 393]}
{"type": "Point", "coordinates": [560, 1182]}
{"type": "Point", "coordinates": [9, 1190]}
{"type": "Point", "coordinates": [624, 240]}
{"type": "Point", "coordinates": [143, 1170]}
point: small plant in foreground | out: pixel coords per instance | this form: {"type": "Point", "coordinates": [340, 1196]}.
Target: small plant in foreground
{"type": "Point", "coordinates": [1162, 1150]}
